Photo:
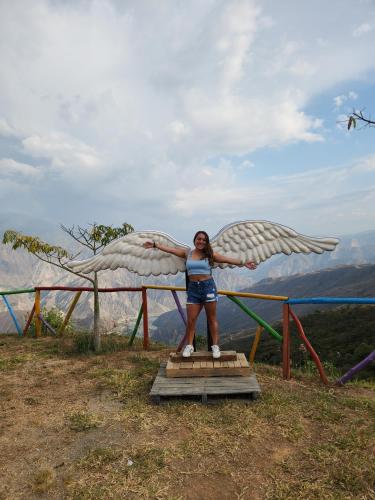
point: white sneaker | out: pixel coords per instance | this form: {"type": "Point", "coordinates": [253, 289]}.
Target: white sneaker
{"type": "Point", "coordinates": [216, 351]}
{"type": "Point", "coordinates": [187, 352]}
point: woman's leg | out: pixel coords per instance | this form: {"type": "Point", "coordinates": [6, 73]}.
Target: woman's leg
{"type": "Point", "coordinates": [210, 308]}
{"type": "Point", "coordinates": [193, 311]}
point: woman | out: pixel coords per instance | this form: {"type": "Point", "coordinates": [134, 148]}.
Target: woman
{"type": "Point", "coordinates": [201, 291]}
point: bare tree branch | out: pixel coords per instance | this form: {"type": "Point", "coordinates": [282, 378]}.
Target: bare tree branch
{"type": "Point", "coordinates": [358, 116]}
{"type": "Point", "coordinates": [71, 233]}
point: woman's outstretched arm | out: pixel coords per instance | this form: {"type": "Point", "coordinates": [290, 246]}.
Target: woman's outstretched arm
{"type": "Point", "coordinates": [179, 252]}
{"type": "Point", "coordinates": [221, 259]}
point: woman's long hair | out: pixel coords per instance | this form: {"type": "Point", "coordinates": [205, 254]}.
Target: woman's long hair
{"type": "Point", "coordinates": [208, 252]}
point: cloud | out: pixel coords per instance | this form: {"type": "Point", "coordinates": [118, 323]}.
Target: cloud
{"type": "Point", "coordinates": [10, 167]}
{"type": "Point", "coordinates": [297, 199]}
{"type": "Point", "coordinates": [138, 108]}
{"type": "Point", "coordinates": [246, 164]}
{"type": "Point", "coordinates": [362, 29]}
{"type": "Point", "coordinates": [66, 154]}
{"type": "Point", "coordinates": [341, 99]}
{"type": "Point", "coordinates": [352, 95]}
{"type": "Point", "coordinates": [7, 130]}
{"type": "Point", "coordinates": [85, 78]}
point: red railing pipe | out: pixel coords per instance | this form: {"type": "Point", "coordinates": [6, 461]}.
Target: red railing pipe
{"type": "Point", "coordinates": [88, 289]}
{"type": "Point", "coordinates": [286, 343]}
{"type": "Point", "coordinates": [27, 326]}
{"type": "Point", "coordinates": [309, 347]}
{"type": "Point", "coordinates": [145, 319]}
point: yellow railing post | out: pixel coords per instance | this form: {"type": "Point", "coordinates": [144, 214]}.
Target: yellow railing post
{"type": "Point", "coordinates": [254, 347]}
{"type": "Point", "coordinates": [69, 313]}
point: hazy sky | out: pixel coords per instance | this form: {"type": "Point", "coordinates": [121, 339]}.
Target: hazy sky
{"type": "Point", "coordinates": [179, 115]}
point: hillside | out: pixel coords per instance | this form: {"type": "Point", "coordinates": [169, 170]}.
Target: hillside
{"type": "Point", "coordinates": [21, 270]}
{"type": "Point", "coordinates": [342, 337]}
{"type": "Point", "coordinates": [82, 427]}
{"type": "Point", "coordinates": [346, 281]}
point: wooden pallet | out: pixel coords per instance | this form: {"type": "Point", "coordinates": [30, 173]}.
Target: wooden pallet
{"type": "Point", "coordinates": [210, 368]}
{"type": "Point", "coordinates": [176, 357]}
{"type": "Point", "coordinates": [205, 388]}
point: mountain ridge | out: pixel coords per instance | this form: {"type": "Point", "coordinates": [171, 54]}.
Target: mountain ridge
{"type": "Point", "coordinates": [342, 281]}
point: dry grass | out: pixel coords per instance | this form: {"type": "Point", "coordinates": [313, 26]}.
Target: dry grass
{"type": "Point", "coordinates": [82, 427]}
{"type": "Point", "coordinates": [43, 481]}
{"type": "Point", "coordinates": [80, 421]}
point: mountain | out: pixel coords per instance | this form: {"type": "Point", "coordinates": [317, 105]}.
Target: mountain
{"type": "Point", "coordinates": [344, 281]}
{"type": "Point", "coordinates": [18, 269]}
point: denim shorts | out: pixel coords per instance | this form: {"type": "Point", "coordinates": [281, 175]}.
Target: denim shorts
{"type": "Point", "coordinates": [199, 292]}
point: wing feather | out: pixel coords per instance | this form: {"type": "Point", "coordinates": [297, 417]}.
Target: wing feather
{"type": "Point", "coordinates": [128, 252]}
{"type": "Point", "coordinates": [260, 240]}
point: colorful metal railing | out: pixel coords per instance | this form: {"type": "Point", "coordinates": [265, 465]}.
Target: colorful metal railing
{"type": "Point", "coordinates": [288, 313]}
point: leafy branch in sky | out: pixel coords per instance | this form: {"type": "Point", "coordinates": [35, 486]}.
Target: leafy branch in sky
{"type": "Point", "coordinates": [358, 117]}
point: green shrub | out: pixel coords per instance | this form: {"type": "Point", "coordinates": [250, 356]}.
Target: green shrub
{"type": "Point", "coordinates": [55, 318]}
{"type": "Point", "coordinates": [83, 342]}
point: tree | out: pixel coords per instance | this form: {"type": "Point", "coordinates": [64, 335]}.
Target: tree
{"type": "Point", "coordinates": [94, 238]}
{"type": "Point", "coordinates": [358, 116]}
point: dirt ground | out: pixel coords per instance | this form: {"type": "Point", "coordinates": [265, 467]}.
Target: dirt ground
{"type": "Point", "coordinates": [83, 427]}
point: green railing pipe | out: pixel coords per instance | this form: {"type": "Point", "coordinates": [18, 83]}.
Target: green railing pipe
{"type": "Point", "coordinates": [257, 318]}
{"type": "Point", "coordinates": [13, 292]}
{"type": "Point", "coordinates": [131, 340]}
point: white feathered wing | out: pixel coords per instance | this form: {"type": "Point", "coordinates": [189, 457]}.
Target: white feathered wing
{"type": "Point", "coordinates": [257, 241]}
{"type": "Point", "coordinates": [128, 252]}
{"type": "Point", "coordinates": [254, 241]}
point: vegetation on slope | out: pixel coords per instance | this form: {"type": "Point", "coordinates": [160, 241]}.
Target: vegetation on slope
{"type": "Point", "coordinates": [82, 427]}
{"type": "Point", "coordinates": [342, 337]}
{"type": "Point", "coordinates": [345, 281]}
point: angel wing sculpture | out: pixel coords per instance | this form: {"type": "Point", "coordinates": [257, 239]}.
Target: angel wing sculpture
{"type": "Point", "coordinates": [248, 240]}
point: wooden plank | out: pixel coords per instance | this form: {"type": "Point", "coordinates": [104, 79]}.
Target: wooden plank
{"type": "Point", "coordinates": [242, 359]}
{"type": "Point", "coordinates": [200, 382]}
{"type": "Point", "coordinates": [208, 389]}
{"type": "Point", "coordinates": [173, 382]}
{"type": "Point", "coordinates": [227, 381]}
{"type": "Point", "coordinates": [202, 356]}
{"type": "Point", "coordinates": [170, 365]}
{"type": "Point", "coordinates": [208, 372]}
{"type": "Point", "coordinates": [252, 386]}
{"type": "Point", "coordinates": [162, 376]}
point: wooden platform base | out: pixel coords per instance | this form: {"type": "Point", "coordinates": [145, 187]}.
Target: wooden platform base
{"type": "Point", "coordinates": [206, 388]}
{"type": "Point", "coordinates": [177, 357]}
{"type": "Point", "coordinates": [203, 365]}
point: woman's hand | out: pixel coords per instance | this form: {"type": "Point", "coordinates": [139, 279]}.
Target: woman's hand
{"type": "Point", "coordinates": [148, 244]}
{"type": "Point", "coordinates": [251, 265]}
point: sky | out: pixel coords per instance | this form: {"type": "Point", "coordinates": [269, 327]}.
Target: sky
{"type": "Point", "coordinates": [183, 115]}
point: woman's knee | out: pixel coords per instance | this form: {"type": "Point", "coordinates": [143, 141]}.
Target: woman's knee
{"type": "Point", "coordinates": [191, 323]}
{"type": "Point", "coordinates": [213, 323]}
